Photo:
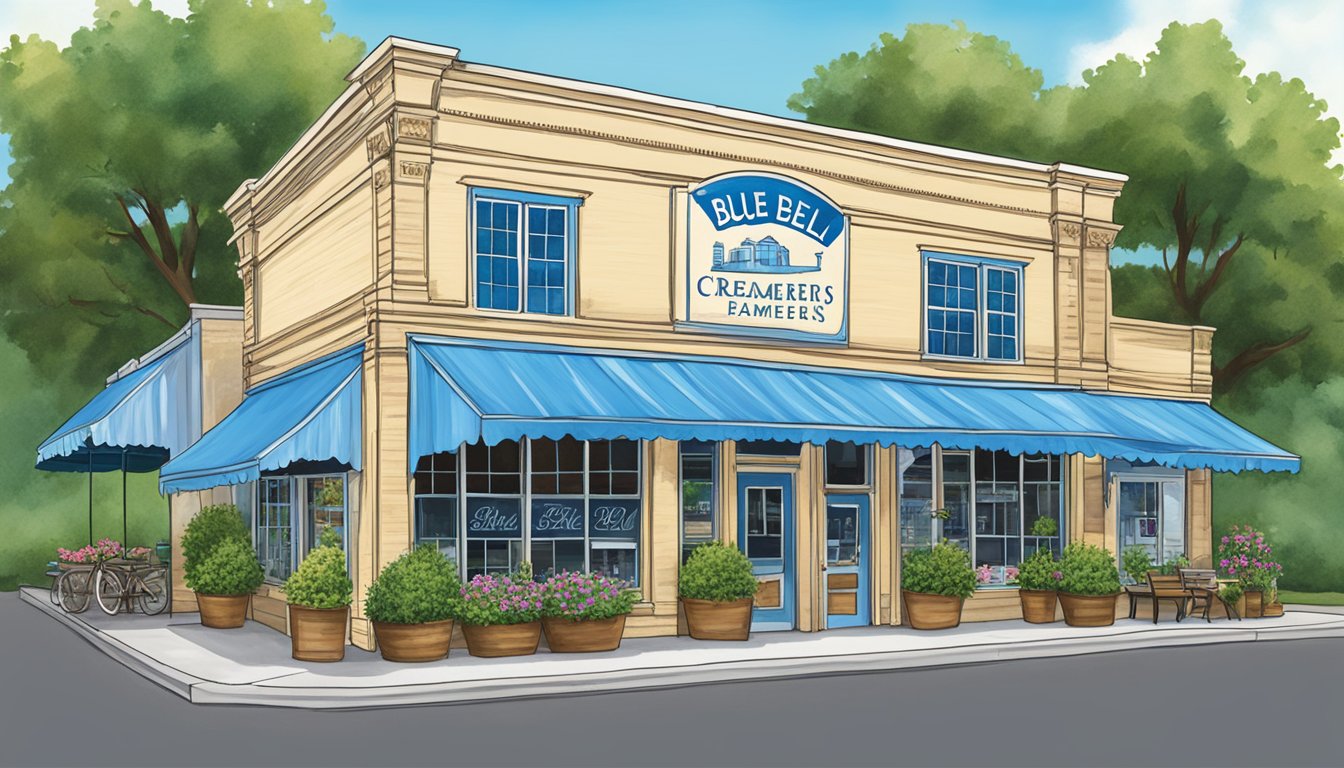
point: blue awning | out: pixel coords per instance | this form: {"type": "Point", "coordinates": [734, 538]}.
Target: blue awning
{"type": "Point", "coordinates": [464, 391]}
{"type": "Point", "coordinates": [310, 414]}
{"type": "Point", "coordinates": [136, 423]}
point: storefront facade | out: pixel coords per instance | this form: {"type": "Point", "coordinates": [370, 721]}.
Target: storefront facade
{"type": "Point", "coordinates": [590, 328]}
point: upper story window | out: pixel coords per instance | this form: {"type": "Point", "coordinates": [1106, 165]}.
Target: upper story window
{"type": "Point", "coordinates": [524, 247]}
{"type": "Point", "coordinates": [972, 308]}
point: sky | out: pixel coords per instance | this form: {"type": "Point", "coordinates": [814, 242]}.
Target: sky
{"type": "Point", "coordinates": [754, 55]}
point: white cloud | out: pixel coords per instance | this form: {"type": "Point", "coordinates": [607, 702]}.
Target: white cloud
{"type": "Point", "coordinates": [56, 20]}
{"type": "Point", "coordinates": [1298, 38]}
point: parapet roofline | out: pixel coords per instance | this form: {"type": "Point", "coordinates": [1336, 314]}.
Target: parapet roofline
{"type": "Point", "coordinates": [450, 56]}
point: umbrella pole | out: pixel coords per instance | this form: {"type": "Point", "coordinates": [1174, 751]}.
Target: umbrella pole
{"type": "Point", "coordinates": [90, 498]}
{"type": "Point", "coordinates": [124, 540]}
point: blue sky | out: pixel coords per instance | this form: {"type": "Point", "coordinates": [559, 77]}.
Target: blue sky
{"type": "Point", "coordinates": [753, 55]}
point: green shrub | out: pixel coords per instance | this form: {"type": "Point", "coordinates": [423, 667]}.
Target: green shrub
{"type": "Point", "coordinates": [330, 537]}
{"type": "Point", "coordinates": [1088, 570]}
{"type": "Point", "coordinates": [586, 596]}
{"type": "Point", "coordinates": [205, 531]}
{"type": "Point", "coordinates": [943, 570]}
{"type": "Point", "coordinates": [1045, 526]}
{"type": "Point", "coordinates": [489, 600]}
{"type": "Point", "coordinates": [231, 568]}
{"type": "Point", "coordinates": [1231, 593]}
{"type": "Point", "coordinates": [1040, 571]}
{"type": "Point", "coordinates": [1137, 563]}
{"type": "Point", "coordinates": [718, 572]}
{"type": "Point", "coordinates": [320, 581]}
{"type": "Point", "coordinates": [1173, 564]}
{"type": "Point", "coordinates": [418, 587]}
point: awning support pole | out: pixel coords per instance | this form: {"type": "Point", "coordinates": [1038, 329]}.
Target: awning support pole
{"type": "Point", "coordinates": [124, 540]}
{"type": "Point", "coordinates": [90, 498]}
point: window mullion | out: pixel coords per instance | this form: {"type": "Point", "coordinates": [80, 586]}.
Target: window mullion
{"type": "Point", "coordinates": [587, 501]}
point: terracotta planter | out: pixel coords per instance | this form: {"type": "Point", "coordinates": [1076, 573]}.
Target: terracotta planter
{"type": "Point", "coordinates": [414, 642]}
{"type": "Point", "coordinates": [569, 636]}
{"type": "Point", "coordinates": [223, 611]}
{"type": "Point", "coordinates": [503, 639]}
{"type": "Point", "coordinates": [1088, 610]}
{"type": "Point", "coordinates": [1038, 605]}
{"type": "Point", "coordinates": [925, 611]}
{"type": "Point", "coordinates": [317, 634]}
{"type": "Point", "coordinates": [1255, 605]}
{"type": "Point", "coordinates": [715, 620]}
{"type": "Point", "coordinates": [1272, 610]}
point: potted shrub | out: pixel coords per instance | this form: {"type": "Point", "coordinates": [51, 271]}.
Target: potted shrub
{"type": "Point", "coordinates": [1038, 580]}
{"type": "Point", "coordinates": [934, 584]}
{"type": "Point", "coordinates": [1088, 586]}
{"type": "Point", "coordinates": [319, 593]}
{"type": "Point", "coordinates": [224, 581]}
{"type": "Point", "coordinates": [205, 531]}
{"type": "Point", "coordinates": [717, 586]}
{"type": "Point", "coordinates": [412, 604]}
{"type": "Point", "coordinates": [1244, 556]}
{"type": "Point", "coordinates": [583, 612]}
{"type": "Point", "coordinates": [501, 615]}
{"type": "Point", "coordinates": [1137, 562]}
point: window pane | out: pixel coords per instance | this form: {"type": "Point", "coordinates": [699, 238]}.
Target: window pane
{"type": "Point", "coordinates": [274, 548]}
{"type": "Point", "coordinates": [697, 495]}
{"type": "Point", "coordinates": [325, 507]}
{"type": "Point", "coordinates": [497, 254]}
{"type": "Point", "coordinates": [915, 467]}
{"type": "Point", "coordinates": [436, 523]}
{"type": "Point", "coordinates": [846, 464]}
{"type": "Point", "coordinates": [769, 447]}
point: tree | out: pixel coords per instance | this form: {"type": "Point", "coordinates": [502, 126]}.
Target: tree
{"type": "Point", "coordinates": [126, 144]}
{"type": "Point", "coordinates": [1228, 174]}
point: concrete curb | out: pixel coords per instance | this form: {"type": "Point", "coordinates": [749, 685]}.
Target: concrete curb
{"type": "Point", "coordinates": [271, 692]}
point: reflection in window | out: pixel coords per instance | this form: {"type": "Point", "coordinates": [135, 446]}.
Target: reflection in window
{"type": "Point", "coordinates": [274, 548]}
{"type": "Point", "coordinates": [915, 467]}
{"type": "Point", "coordinates": [697, 495]}
{"type": "Point", "coordinates": [846, 463]}
{"type": "Point", "coordinates": [765, 515]}
{"type": "Point", "coordinates": [842, 534]}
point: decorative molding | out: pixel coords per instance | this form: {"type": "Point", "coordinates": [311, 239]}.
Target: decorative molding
{"type": "Point", "coordinates": [410, 170]}
{"type": "Point", "coordinates": [413, 128]}
{"type": "Point", "coordinates": [1099, 238]}
{"type": "Point", "coordinates": [379, 142]}
{"type": "Point", "coordinates": [380, 177]}
{"type": "Point", "coordinates": [702, 151]}
{"type": "Point", "coordinates": [1070, 230]}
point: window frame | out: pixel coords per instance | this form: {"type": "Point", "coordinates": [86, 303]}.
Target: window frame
{"type": "Point", "coordinates": [939, 502]}
{"type": "Point", "coordinates": [713, 451]}
{"type": "Point", "coordinates": [983, 266]}
{"type": "Point", "coordinates": [299, 536]}
{"type": "Point", "coordinates": [525, 201]}
{"type": "Point", "coordinates": [526, 496]}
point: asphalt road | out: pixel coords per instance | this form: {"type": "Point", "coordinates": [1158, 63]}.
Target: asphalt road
{"type": "Point", "coordinates": [1254, 704]}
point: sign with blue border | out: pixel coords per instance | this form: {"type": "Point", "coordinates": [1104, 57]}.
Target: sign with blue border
{"type": "Point", "coordinates": [767, 256]}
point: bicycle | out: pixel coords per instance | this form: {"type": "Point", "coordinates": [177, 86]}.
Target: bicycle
{"type": "Point", "coordinates": [119, 582]}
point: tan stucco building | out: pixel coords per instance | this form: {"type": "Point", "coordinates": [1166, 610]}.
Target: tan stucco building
{"type": "Point", "coordinates": [446, 222]}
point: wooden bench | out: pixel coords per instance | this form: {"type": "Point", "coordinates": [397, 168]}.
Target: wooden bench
{"type": "Point", "coordinates": [1157, 589]}
{"type": "Point", "coordinates": [1201, 586]}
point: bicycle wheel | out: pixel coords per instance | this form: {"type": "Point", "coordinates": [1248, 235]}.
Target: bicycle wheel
{"type": "Point", "coordinates": [75, 591]}
{"type": "Point", "coordinates": [108, 588]}
{"type": "Point", "coordinates": [56, 588]}
{"type": "Point", "coordinates": [152, 593]}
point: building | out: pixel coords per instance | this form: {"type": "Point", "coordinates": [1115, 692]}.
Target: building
{"type": "Point", "coordinates": [484, 308]}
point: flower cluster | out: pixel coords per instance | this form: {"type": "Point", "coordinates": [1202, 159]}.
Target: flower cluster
{"type": "Point", "coordinates": [488, 600]}
{"type": "Point", "coordinates": [591, 596]}
{"type": "Point", "coordinates": [985, 574]}
{"type": "Point", "coordinates": [105, 549]}
{"type": "Point", "coordinates": [1244, 556]}
{"type": "Point", "coordinates": [138, 553]}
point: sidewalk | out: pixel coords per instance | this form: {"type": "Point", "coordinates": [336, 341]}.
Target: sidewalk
{"type": "Point", "coordinates": [252, 665]}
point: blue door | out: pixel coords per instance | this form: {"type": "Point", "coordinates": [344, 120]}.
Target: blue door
{"type": "Point", "coordinates": [766, 534]}
{"type": "Point", "coordinates": [848, 601]}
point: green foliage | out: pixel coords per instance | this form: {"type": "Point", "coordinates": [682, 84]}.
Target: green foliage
{"type": "Point", "coordinates": [1045, 526]}
{"type": "Point", "coordinates": [716, 571]}
{"type": "Point", "coordinates": [1173, 564]}
{"type": "Point", "coordinates": [1088, 570]}
{"type": "Point", "coordinates": [1137, 562]}
{"type": "Point", "coordinates": [586, 596]}
{"type": "Point", "coordinates": [231, 568]}
{"type": "Point", "coordinates": [418, 587]}
{"type": "Point", "coordinates": [1231, 593]}
{"type": "Point", "coordinates": [164, 116]}
{"type": "Point", "coordinates": [212, 526]}
{"type": "Point", "coordinates": [489, 600]}
{"type": "Point", "coordinates": [943, 570]}
{"type": "Point", "coordinates": [330, 537]}
{"type": "Point", "coordinates": [1039, 571]}
{"type": "Point", "coordinates": [320, 581]}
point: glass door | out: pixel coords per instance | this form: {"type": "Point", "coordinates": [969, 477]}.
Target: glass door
{"type": "Point", "coordinates": [958, 496]}
{"type": "Point", "coordinates": [848, 603]}
{"type": "Point", "coordinates": [766, 535]}
{"type": "Point", "coordinates": [1152, 516]}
